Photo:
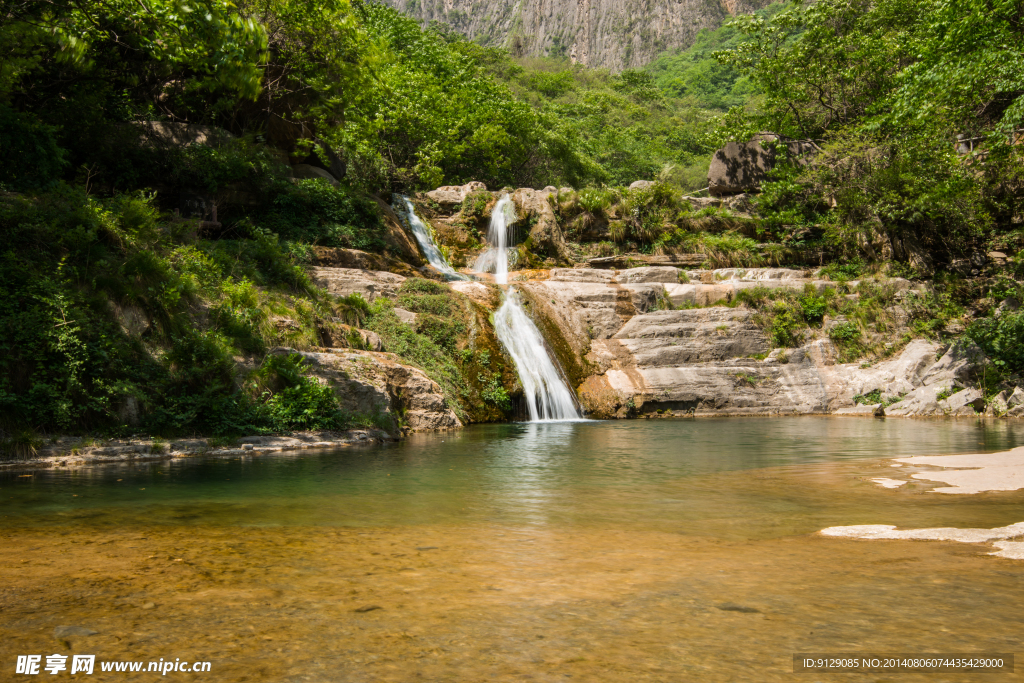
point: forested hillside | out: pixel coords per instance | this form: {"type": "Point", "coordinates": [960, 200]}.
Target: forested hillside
{"type": "Point", "coordinates": [125, 310]}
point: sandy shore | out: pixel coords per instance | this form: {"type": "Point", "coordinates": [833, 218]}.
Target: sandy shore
{"type": "Point", "coordinates": [966, 474]}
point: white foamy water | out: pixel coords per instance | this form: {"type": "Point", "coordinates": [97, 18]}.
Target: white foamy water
{"type": "Point", "coordinates": [426, 241]}
{"type": "Point", "coordinates": [495, 259]}
{"type": "Point", "coordinates": [547, 396]}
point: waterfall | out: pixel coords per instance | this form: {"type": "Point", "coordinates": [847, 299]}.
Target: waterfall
{"type": "Point", "coordinates": [495, 259]}
{"type": "Point", "coordinates": [426, 240]}
{"type": "Point", "coordinates": [547, 396]}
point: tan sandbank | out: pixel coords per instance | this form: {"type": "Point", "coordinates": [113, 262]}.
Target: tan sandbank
{"type": "Point", "coordinates": [969, 473]}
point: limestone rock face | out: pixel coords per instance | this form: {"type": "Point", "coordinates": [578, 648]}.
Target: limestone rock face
{"type": "Point", "coordinates": [451, 196]}
{"type": "Point", "coordinates": [345, 281]}
{"type": "Point", "coordinates": [372, 383]}
{"type": "Point", "coordinates": [666, 274]}
{"type": "Point", "coordinates": [397, 238]}
{"type": "Point", "coordinates": [614, 34]}
{"type": "Point", "coordinates": [335, 257]}
{"type": "Point", "coordinates": [669, 338]}
{"type": "Point", "coordinates": [646, 358]}
{"type": "Point", "coordinates": [891, 378]}
{"type": "Point", "coordinates": [742, 166]}
{"type": "Point", "coordinates": [545, 233]}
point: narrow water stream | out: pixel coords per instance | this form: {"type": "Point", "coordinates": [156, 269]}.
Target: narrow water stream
{"type": "Point", "coordinates": [495, 259]}
{"type": "Point", "coordinates": [424, 238]}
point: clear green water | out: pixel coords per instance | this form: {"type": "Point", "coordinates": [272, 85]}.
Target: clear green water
{"type": "Point", "coordinates": [729, 478]}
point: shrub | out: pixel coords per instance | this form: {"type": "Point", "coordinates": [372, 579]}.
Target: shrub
{"type": "Point", "coordinates": [1000, 338]}
{"type": "Point", "coordinates": [318, 213]}
{"type": "Point", "coordinates": [32, 157]}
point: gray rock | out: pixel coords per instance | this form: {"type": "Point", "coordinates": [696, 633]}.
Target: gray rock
{"type": "Point", "coordinates": [641, 184]}
{"type": "Point", "coordinates": [345, 281]}
{"type": "Point", "coordinates": [967, 402]}
{"type": "Point", "coordinates": [645, 274]}
{"type": "Point", "coordinates": [743, 166]}
{"type": "Point", "coordinates": [1016, 398]}
{"type": "Point", "coordinates": [876, 410]}
{"type": "Point", "coordinates": [61, 632]}
{"type": "Point", "coordinates": [997, 406]}
{"type": "Point", "coordinates": [407, 317]}
{"type": "Point", "coordinates": [373, 383]}
{"type": "Point", "coordinates": [921, 402]}
{"type": "Point", "coordinates": [1009, 304]}
{"type": "Point", "coordinates": [956, 365]}
{"type": "Point", "coordinates": [581, 275]}
{"type": "Point", "coordinates": [309, 172]}
{"type": "Point", "coordinates": [171, 134]}
{"type": "Point", "coordinates": [451, 196]}
{"type": "Point", "coordinates": [546, 233]}
{"type": "Point", "coordinates": [667, 338]}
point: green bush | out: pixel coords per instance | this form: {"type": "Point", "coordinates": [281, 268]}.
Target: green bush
{"type": "Point", "coordinates": [1002, 340]}
{"type": "Point", "coordinates": [315, 212]}
{"type": "Point", "coordinates": [814, 308]}
{"type": "Point", "coordinates": [32, 158]}
{"type": "Point", "coordinates": [291, 400]}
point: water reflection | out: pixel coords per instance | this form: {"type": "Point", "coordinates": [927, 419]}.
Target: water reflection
{"type": "Point", "coordinates": [693, 476]}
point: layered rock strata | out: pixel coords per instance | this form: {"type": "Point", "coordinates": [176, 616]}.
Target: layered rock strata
{"type": "Point", "coordinates": [660, 340]}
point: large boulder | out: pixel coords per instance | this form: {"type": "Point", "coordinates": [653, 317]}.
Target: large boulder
{"type": "Point", "coordinates": [380, 386]}
{"type": "Point", "coordinates": [546, 234]}
{"type": "Point", "coordinates": [369, 283]}
{"type": "Point", "coordinates": [742, 166]}
{"type": "Point", "coordinates": [310, 172]}
{"type": "Point", "coordinates": [396, 236]}
{"type": "Point", "coordinates": [336, 257]}
{"type": "Point", "coordinates": [450, 196]}
{"type": "Point", "coordinates": [171, 134]}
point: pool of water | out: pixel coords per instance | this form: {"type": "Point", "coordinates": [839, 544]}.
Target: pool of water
{"type": "Point", "coordinates": [661, 550]}
{"type": "Point", "coordinates": [716, 477]}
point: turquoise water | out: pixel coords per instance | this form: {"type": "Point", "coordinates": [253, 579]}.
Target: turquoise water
{"type": "Point", "coordinates": [718, 477]}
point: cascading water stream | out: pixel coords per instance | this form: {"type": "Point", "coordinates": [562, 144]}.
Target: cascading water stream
{"type": "Point", "coordinates": [426, 241]}
{"type": "Point", "coordinates": [495, 259]}
{"type": "Point", "coordinates": [547, 396]}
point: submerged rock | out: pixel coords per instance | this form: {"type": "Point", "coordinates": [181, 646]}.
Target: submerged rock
{"type": "Point", "coordinates": [61, 632]}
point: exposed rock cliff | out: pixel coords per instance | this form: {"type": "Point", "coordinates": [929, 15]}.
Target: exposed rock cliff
{"type": "Point", "coordinates": [614, 34]}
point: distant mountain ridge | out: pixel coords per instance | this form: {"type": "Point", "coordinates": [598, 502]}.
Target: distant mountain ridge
{"type": "Point", "coordinates": [615, 34]}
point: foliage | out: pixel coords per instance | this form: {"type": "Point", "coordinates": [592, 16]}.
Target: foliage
{"type": "Point", "coordinates": [878, 84]}
{"type": "Point", "coordinates": [34, 157]}
{"type": "Point", "coordinates": [609, 128]}
{"type": "Point", "coordinates": [292, 400]}
{"type": "Point", "coordinates": [1000, 338]}
{"type": "Point", "coordinates": [695, 76]}
{"type": "Point", "coordinates": [317, 213]}
{"type": "Point", "coordinates": [110, 323]}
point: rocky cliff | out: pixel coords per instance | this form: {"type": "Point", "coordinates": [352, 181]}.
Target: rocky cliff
{"type": "Point", "coordinates": [614, 34]}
